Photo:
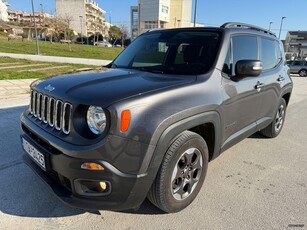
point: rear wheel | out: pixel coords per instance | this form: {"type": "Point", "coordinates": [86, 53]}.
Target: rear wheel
{"type": "Point", "coordinates": [181, 174]}
{"type": "Point", "coordinates": [303, 73]}
{"type": "Point", "coordinates": [275, 127]}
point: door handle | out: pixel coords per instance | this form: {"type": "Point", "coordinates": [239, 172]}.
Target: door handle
{"type": "Point", "coordinates": [280, 79]}
{"type": "Point", "coordinates": [259, 86]}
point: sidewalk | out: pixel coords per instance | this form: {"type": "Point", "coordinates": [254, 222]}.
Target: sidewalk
{"type": "Point", "coordinates": [85, 61]}
{"type": "Point", "coordinates": [21, 88]}
{"type": "Point", "coordinates": [15, 88]}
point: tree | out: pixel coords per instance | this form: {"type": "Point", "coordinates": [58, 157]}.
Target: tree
{"type": "Point", "coordinates": [57, 27]}
{"type": "Point", "coordinates": [115, 34]}
{"type": "Point", "coordinates": [124, 32]}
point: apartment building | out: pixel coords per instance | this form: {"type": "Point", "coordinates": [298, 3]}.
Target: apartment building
{"type": "Point", "coordinates": [152, 14]}
{"type": "Point", "coordinates": [27, 18]}
{"type": "Point", "coordinates": [3, 10]}
{"type": "Point", "coordinates": [296, 44]}
{"type": "Point", "coordinates": [86, 16]}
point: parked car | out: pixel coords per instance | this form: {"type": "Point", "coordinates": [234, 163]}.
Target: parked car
{"type": "Point", "coordinates": [298, 67]}
{"type": "Point", "coordinates": [103, 43]}
{"type": "Point", "coordinates": [172, 101]}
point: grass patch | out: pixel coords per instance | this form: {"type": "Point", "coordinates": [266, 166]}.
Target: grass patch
{"type": "Point", "coordinates": [33, 72]}
{"type": "Point", "coordinates": [57, 49]}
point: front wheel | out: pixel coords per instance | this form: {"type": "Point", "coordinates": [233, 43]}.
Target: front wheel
{"type": "Point", "coordinates": [276, 126]}
{"type": "Point", "coordinates": [303, 73]}
{"type": "Point", "coordinates": [181, 173]}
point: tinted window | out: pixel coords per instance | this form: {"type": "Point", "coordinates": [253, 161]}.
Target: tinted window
{"type": "Point", "coordinates": [244, 47]}
{"type": "Point", "coordinates": [268, 54]}
{"type": "Point", "coordinates": [297, 63]}
{"type": "Point", "coordinates": [227, 64]}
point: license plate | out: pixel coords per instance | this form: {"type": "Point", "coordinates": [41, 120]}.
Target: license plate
{"type": "Point", "coordinates": [38, 157]}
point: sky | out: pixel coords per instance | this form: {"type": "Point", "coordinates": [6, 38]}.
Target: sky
{"type": "Point", "coordinates": [209, 12]}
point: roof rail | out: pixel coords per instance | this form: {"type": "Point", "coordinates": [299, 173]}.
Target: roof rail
{"type": "Point", "coordinates": [247, 26]}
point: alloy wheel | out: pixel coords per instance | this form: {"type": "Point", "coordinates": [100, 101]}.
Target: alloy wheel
{"type": "Point", "coordinates": [186, 173]}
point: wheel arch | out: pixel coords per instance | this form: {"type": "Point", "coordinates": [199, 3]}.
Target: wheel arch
{"type": "Point", "coordinates": [200, 123]}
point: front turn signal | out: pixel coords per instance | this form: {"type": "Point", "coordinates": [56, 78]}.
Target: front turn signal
{"type": "Point", "coordinates": [125, 120]}
{"type": "Point", "coordinates": [92, 166]}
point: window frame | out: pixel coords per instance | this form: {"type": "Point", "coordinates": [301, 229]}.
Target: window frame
{"type": "Point", "coordinates": [277, 49]}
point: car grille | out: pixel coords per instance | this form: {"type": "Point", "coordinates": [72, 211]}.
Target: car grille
{"type": "Point", "coordinates": [55, 113]}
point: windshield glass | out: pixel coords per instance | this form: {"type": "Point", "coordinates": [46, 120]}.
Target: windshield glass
{"type": "Point", "coordinates": [171, 51]}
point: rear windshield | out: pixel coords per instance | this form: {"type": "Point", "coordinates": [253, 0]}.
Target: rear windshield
{"type": "Point", "coordinates": [172, 52]}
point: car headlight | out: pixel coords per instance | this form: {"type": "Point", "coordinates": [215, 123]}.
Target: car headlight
{"type": "Point", "coordinates": [96, 119]}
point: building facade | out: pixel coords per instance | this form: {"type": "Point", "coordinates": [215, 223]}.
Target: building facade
{"type": "Point", "coordinates": [296, 45]}
{"type": "Point", "coordinates": [27, 18]}
{"type": "Point", "coordinates": [3, 11]}
{"type": "Point", "coordinates": [86, 17]}
{"type": "Point", "coordinates": [152, 14]}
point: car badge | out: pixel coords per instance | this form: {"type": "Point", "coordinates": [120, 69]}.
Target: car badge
{"type": "Point", "coordinates": [49, 88]}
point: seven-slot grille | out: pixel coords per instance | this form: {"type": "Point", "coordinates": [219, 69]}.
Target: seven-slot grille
{"type": "Point", "coordinates": [55, 113]}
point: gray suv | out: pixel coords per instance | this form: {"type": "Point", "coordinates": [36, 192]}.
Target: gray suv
{"type": "Point", "coordinates": [171, 102]}
{"type": "Point", "coordinates": [298, 67]}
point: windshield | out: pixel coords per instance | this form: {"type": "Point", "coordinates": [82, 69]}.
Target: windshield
{"type": "Point", "coordinates": [171, 51]}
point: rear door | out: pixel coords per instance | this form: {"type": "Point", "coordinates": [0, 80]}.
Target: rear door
{"type": "Point", "coordinates": [272, 78]}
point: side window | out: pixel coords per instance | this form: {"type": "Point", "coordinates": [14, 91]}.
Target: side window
{"type": "Point", "coordinates": [278, 52]}
{"type": "Point", "coordinates": [227, 63]}
{"type": "Point", "coordinates": [297, 63]}
{"type": "Point", "coordinates": [268, 54]}
{"type": "Point", "coordinates": [244, 47]}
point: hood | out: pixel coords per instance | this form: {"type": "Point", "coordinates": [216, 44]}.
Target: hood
{"type": "Point", "coordinates": [106, 88]}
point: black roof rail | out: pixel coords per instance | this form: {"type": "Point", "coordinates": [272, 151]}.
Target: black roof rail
{"type": "Point", "coordinates": [247, 26]}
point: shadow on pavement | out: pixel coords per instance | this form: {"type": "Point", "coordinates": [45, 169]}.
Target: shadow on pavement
{"type": "Point", "coordinates": [22, 193]}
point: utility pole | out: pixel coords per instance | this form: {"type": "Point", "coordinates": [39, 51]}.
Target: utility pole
{"type": "Point", "coordinates": [281, 26]}
{"type": "Point", "coordinates": [270, 26]}
{"type": "Point", "coordinates": [35, 29]}
{"type": "Point", "coordinates": [42, 9]}
{"type": "Point", "coordinates": [195, 9]}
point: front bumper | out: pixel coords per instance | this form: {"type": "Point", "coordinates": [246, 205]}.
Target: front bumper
{"type": "Point", "coordinates": [127, 191]}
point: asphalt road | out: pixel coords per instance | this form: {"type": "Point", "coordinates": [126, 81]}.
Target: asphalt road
{"type": "Point", "coordinates": [257, 184]}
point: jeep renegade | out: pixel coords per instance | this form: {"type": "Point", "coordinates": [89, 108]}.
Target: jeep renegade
{"type": "Point", "coordinates": [172, 101]}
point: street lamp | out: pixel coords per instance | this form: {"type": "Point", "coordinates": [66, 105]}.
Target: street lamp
{"type": "Point", "coordinates": [281, 26]}
{"type": "Point", "coordinates": [35, 29]}
{"type": "Point", "coordinates": [44, 21]}
{"type": "Point", "coordinates": [81, 17]}
{"type": "Point", "coordinates": [195, 9]}
{"type": "Point", "coordinates": [270, 25]}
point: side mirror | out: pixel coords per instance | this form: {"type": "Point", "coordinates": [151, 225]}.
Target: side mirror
{"type": "Point", "coordinates": [248, 68]}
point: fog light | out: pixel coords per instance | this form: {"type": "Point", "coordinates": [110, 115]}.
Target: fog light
{"type": "Point", "coordinates": [92, 187]}
{"type": "Point", "coordinates": [92, 166]}
{"type": "Point", "coordinates": [103, 185]}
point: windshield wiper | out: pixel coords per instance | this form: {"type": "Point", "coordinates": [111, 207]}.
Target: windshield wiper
{"type": "Point", "coordinates": [147, 69]}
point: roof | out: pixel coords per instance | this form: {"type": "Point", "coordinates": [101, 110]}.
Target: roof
{"type": "Point", "coordinates": [301, 34]}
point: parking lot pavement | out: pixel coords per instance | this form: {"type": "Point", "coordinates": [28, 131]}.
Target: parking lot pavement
{"type": "Point", "coordinates": [15, 88]}
{"type": "Point", "coordinates": [258, 184]}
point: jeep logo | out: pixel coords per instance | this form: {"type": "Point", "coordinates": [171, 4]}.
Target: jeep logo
{"type": "Point", "coordinates": [49, 88]}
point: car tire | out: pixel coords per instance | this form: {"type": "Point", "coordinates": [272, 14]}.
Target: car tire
{"type": "Point", "coordinates": [303, 73]}
{"type": "Point", "coordinates": [181, 174]}
{"type": "Point", "coordinates": [276, 125]}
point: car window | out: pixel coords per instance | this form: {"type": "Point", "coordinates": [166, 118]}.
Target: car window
{"type": "Point", "coordinates": [297, 63]}
{"type": "Point", "coordinates": [244, 48]}
{"type": "Point", "coordinates": [172, 52]}
{"type": "Point", "coordinates": [152, 54]}
{"type": "Point", "coordinates": [269, 54]}
{"type": "Point", "coordinates": [227, 63]}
